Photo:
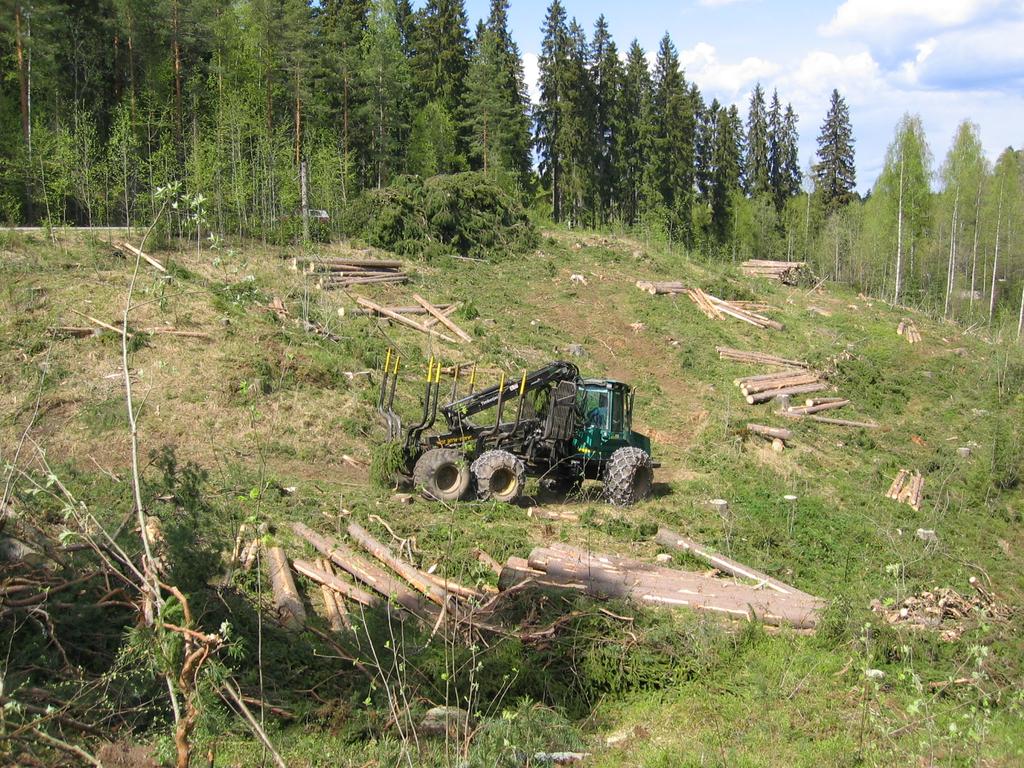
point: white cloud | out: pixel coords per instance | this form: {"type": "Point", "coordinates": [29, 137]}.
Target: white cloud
{"type": "Point", "coordinates": [883, 17]}
{"type": "Point", "coordinates": [531, 73]}
{"type": "Point", "coordinates": [703, 67]}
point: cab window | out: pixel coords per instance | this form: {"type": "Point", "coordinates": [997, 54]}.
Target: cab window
{"type": "Point", "coordinates": [594, 405]}
{"type": "Point", "coordinates": [617, 420]}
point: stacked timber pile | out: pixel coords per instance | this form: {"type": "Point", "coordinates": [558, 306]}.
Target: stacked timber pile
{"type": "Point", "coordinates": [338, 272]}
{"type": "Point", "coordinates": [564, 566]}
{"type": "Point", "coordinates": [790, 381]}
{"type": "Point", "coordinates": [909, 331]}
{"type": "Point", "coordinates": [796, 378]}
{"type": "Point", "coordinates": [907, 488]}
{"type": "Point", "coordinates": [786, 272]}
{"type": "Point", "coordinates": [712, 306]}
{"type": "Point", "coordinates": [758, 358]}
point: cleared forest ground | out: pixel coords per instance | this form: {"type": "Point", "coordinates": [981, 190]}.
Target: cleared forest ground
{"type": "Point", "coordinates": [266, 412]}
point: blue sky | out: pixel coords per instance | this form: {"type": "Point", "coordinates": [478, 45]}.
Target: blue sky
{"type": "Point", "coordinates": [946, 60]}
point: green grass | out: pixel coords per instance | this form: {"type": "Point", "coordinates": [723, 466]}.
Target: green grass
{"type": "Point", "coordinates": [267, 407]}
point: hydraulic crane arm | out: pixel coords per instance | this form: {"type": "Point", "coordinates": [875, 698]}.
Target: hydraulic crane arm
{"type": "Point", "coordinates": [469, 405]}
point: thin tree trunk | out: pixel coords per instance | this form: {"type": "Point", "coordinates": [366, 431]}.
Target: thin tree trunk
{"type": "Point", "coordinates": [304, 198]}
{"type": "Point", "coordinates": [951, 267]}
{"type": "Point", "coordinates": [176, 46]}
{"type": "Point", "coordinates": [899, 238]}
{"type": "Point", "coordinates": [22, 57]}
{"type": "Point", "coordinates": [1020, 317]}
{"type": "Point", "coordinates": [298, 117]}
{"type": "Point", "coordinates": [974, 248]}
{"type": "Point", "coordinates": [995, 258]}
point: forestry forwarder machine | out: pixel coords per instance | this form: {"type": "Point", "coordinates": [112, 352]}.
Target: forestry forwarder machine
{"type": "Point", "coordinates": [566, 429]}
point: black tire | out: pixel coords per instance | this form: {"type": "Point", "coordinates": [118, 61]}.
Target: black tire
{"type": "Point", "coordinates": [443, 474]}
{"type": "Point", "coordinates": [499, 476]}
{"type": "Point", "coordinates": [628, 477]}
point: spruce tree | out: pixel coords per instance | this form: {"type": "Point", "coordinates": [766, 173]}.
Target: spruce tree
{"type": "Point", "coordinates": [670, 169]}
{"type": "Point", "coordinates": [441, 55]}
{"type": "Point", "coordinates": [607, 73]}
{"type": "Point", "coordinates": [725, 174]}
{"type": "Point", "coordinates": [384, 75]}
{"type": "Point", "coordinates": [497, 103]}
{"type": "Point", "coordinates": [835, 175]}
{"type": "Point", "coordinates": [553, 64]}
{"type": "Point", "coordinates": [756, 163]}
{"type": "Point", "coordinates": [577, 135]}
{"type": "Point", "coordinates": [631, 132]}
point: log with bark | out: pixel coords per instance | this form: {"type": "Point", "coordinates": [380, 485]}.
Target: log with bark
{"type": "Point", "coordinates": [129, 250]}
{"type": "Point", "coordinates": [772, 433]}
{"type": "Point", "coordinates": [759, 358]}
{"type": "Point", "coordinates": [286, 596]}
{"type": "Point", "coordinates": [764, 397]}
{"type": "Point", "coordinates": [403, 320]}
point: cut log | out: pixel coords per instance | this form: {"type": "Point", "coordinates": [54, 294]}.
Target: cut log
{"type": "Point", "coordinates": [516, 571]}
{"type": "Point", "coordinates": [130, 250]}
{"type": "Point", "coordinates": [813, 401]}
{"type": "Point", "coordinates": [808, 409]}
{"type": "Point", "coordinates": [335, 584]}
{"type": "Point", "coordinates": [334, 605]}
{"type": "Point", "coordinates": [770, 432]}
{"type": "Point", "coordinates": [403, 320]}
{"type": "Point", "coordinates": [775, 376]}
{"type": "Point", "coordinates": [286, 596]}
{"type": "Point", "coordinates": [761, 358]}
{"type": "Point", "coordinates": [440, 317]}
{"type": "Point", "coordinates": [827, 420]}
{"type": "Point", "coordinates": [341, 261]}
{"type": "Point", "coordinates": [788, 382]}
{"type": "Point", "coordinates": [487, 560]}
{"type": "Point", "coordinates": [672, 540]}
{"type": "Point", "coordinates": [764, 397]}
{"type": "Point", "coordinates": [410, 573]}
{"type": "Point", "coordinates": [417, 310]}
{"type": "Point", "coordinates": [373, 576]}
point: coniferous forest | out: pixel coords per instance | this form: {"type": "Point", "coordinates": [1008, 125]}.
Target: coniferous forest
{"type": "Point", "coordinates": [108, 101]}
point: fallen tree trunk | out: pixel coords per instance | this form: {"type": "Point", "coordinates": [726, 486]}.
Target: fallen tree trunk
{"type": "Point", "coordinates": [827, 420]}
{"type": "Point", "coordinates": [408, 572]}
{"type": "Point", "coordinates": [761, 358]}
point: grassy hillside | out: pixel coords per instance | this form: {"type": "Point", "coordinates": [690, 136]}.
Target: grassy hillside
{"type": "Point", "coordinates": [252, 426]}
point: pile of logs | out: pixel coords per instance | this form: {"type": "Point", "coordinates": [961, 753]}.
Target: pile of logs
{"type": "Point", "coordinates": [908, 330]}
{"type": "Point", "coordinates": [437, 315]}
{"type": "Point", "coordinates": [564, 566]}
{"type": "Point", "coordinates": [790, 381]}
{"type": "Point", "coordinates": [758, 358]}
{"type": "Point", "coordinates": [337, 272]}
{"type": "Point", "coordinates": [786, 272]}
{"type": "Point", "coordinates": [712, 306]}
{"type": "Point", "coordinates": [384, 580]}
{"type": "Point", "coordinates": [907, 488]}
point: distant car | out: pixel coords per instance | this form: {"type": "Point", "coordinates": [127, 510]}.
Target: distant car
{"type": "Point", "coordinates": [319, 215]}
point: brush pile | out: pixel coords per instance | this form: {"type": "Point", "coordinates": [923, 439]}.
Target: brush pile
{"type": "Point", "coordinates": [909, 331]}
{"type": "Point", "coordinates": [343, 272]}
{"type": "Point", "coordinates": [907, 488]}
{"type": "Point", "coordinates": [786, 272]}
{"type": "Point", "coordinates": [944, 609]}
{"type": "Point", "coordinates": [713, 307]}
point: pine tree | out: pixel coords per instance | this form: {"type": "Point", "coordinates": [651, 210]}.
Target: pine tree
{"type": "Point", "coordinates": [607, 74]}
{"type": "Point", "coordinates": [630, 134]}
{"type": "Point", "coordinates": [670, 168]}
{"type": "Point", "coordinates": [783, 153]}
{"type": "Point", "coordinates": [756, 166]}
{"type": "Point", "coordinates": [835, 175]}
